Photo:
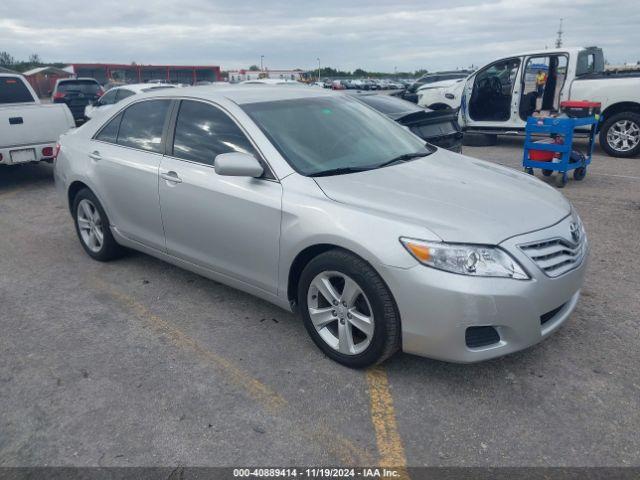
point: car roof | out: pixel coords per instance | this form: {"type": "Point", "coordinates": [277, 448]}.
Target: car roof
{"type": "Point", "coordinates": [78, 79]}
{"type": "Point", "coordinates": [140, 87]}
{"type": "Point", "coordinates": [242, 94]}
{"type": "Point", "coordinates": [551, 51]}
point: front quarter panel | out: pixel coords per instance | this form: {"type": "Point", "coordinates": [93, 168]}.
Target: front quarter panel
{"type": "Point", "coordinates": [310, 218]}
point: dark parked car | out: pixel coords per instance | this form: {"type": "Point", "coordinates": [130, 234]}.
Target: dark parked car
{"type": "Point", "coordinates": [77, 93]}
{"type": "Point", "coordinates": [438, 127]}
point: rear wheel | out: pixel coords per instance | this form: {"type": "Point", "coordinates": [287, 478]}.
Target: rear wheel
{"type": "Point", "coordinates": [472, 139]}
{"type": "Point", "coordinates": [92, 227]}
{"type": "Point", "coordinates": [620, 135]}
{"type": "Point", "coordinates": [348, 310]}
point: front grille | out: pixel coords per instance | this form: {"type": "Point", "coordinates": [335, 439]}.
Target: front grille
{"type": "Point", "coordinates": [477, 337]}
{"type": "Point", "coordinates": [544, 318]}
{"type": "Point", "coordinates": [556, 256]}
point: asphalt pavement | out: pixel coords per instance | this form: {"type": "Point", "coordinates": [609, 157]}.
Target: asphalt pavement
{"type": "Point", "coordinates": [139, 363]}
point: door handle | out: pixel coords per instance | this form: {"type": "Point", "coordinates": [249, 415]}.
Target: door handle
{"type": "Point", "coordinates": [95, 156]}
{"type": "Point", "coordinates": [171, 176]}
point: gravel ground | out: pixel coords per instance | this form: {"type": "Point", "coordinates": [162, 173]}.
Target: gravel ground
{"type": "Point", "coordinates": [137, 362]}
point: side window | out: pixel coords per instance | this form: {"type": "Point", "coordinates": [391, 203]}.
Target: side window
{"type": "Point", "coordinates": [123, 93]}
{"type": "Point", "coordinates": [108, 98]}
{"type": "Point", "coordinates": [142, 125]}
{"type": "Point", "coordinates": [586, 63]}
{"type": "Point", "coordinates": [204, 131]}
{"type": "Point", "coordinates": [109, 132]}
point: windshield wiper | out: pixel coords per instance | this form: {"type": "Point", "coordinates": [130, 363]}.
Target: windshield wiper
{"type": "Point", "coordinates": [402, 158]}
{"type": "Point", "coordinates": [340, 171]}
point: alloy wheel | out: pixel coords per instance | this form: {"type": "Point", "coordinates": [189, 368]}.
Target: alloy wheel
{"type": "Point", "coordinates": [624, 135]}
{"type": "Point", "coordinates": [340, 312]}
{"type": "Point", "coordinates": [90, 225]}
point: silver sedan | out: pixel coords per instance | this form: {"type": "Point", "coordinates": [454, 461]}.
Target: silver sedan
{"type": "Point", "coordinates": [319, 204]}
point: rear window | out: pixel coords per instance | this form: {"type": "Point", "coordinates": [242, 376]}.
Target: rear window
{"type": "Point", "coordinates": [13, 90]}
{"type": "Point", "coordinates": [90, 87]}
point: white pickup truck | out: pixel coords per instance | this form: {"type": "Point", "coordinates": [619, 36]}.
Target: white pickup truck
{"type": "Point", "coordinates": [29, 130]}
{"type": "Point", "coordinates": [498, 98]}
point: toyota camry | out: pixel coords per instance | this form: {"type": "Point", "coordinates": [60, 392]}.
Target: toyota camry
{"type": "Point", "coordinates": [323, 206]}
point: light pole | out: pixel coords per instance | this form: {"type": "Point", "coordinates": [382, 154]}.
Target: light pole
{"type": "Point", "coordinates": [261, 63]}
{"type": "Point", "coordinates": [318, 68]}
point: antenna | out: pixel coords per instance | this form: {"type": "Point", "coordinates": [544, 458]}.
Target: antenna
{"type": "Point", "coordinates": [559, 39]}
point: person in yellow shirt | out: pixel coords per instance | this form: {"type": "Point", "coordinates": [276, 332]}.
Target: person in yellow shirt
{"type": "Point", "coordinates": [541, 80]}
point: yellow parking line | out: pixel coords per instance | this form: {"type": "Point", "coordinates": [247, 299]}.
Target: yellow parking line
{"type": "Point", "coordinates": [339, 446]}
{"type": "Point", "coordinates": [259, 391]}
{"type": "Point", "coordinates": [384, 422]}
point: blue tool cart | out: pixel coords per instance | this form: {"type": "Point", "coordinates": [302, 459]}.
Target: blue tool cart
{"type": "Point", "coordinates": [561, 130]}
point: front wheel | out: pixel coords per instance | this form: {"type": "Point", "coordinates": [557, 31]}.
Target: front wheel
{"type": "Point", "coordinates": [348, 310]}
{"type": "Point", "coordinates": [620, 135]}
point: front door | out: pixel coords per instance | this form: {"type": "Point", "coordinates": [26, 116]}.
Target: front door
{"type": "Point", "coordinates": [228, 224]}
{"type": "Point", "coordinates": [491, 96]}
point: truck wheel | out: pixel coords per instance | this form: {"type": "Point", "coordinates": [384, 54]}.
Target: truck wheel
{"type": "Point", "coordinates": [620, 135]}
{"type": "Point", "coordinates": [479, 139]}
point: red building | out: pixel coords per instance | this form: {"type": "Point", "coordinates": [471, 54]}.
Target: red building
{"type": "Point", "coordinates": [43, 79]}
{"type": "Point", "coordinates": [132, 73]}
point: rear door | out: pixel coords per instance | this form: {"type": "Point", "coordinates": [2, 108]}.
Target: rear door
{"type": "Point", "coordinates": [125, 156]}
{"type": "Point", "coordinates": [227, 224]}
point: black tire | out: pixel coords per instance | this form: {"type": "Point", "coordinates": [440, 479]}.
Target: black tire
{"type": "Point", "coordinates": [471, 139]}
{"type": "Point", "coordinates": [528, 170]}
{"type": "Point", "coordinates": [386, 335]}
{"type": "Point", "coordinates": [562, 180]}
{"type": "Point", "coordinates": [608, 124]}
{"type": "Point", "coordinates": [110, 249]}
{"type": "Point", "coordinates": [547, 173]}
{"type": "Point", "coordinates": [579, 173]}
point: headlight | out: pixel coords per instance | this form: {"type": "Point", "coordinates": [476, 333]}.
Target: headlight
{"type": "Point", "coordinates": [476, 260]}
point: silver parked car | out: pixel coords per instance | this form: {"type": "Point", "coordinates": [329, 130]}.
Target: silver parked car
{"type": "Point", "coordinates": [318, 203]}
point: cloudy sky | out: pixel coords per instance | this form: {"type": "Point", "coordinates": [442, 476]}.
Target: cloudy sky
{"type": "Point", "coordinates": [371, 34]}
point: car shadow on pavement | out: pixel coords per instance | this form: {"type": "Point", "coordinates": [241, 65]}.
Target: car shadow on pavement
{"type": "Point", "coordinates": [17, 177]}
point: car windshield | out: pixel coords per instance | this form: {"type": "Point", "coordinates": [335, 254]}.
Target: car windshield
{"type": "Point", "coordinates": [84, 86]}
{"type": "Point", "coordinates": [333, 134]}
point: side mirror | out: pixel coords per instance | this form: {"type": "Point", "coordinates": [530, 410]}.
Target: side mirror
{"type": "Point", "coordinates": [236, 164]}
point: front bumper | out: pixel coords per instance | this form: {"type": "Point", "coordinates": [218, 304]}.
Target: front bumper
{"type": "Point", "coordinates": [436, 307]}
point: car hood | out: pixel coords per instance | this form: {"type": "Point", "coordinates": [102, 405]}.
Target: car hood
{"type": "Point", "coordinates": [442, 84]}
{"type": "Point", "coordinates": [458, 198]}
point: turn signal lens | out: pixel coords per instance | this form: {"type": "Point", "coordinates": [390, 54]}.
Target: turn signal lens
{"type": "Point", "coordinates": [421, 252]}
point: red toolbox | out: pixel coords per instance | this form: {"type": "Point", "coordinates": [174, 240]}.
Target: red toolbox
{"type": "Point", "coordinates": [580, 108]}
{"type": "Point", "coordinates": [544, 155]}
